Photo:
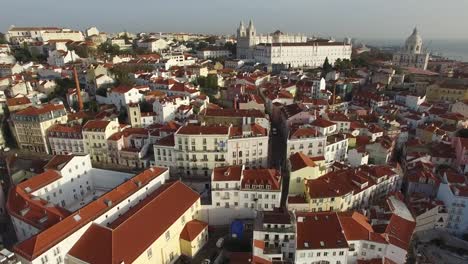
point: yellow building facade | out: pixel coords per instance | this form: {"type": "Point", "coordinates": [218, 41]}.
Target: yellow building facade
{"type": "Point", "coordinates": [95, 135]}
{"type": "Point", "coordinates": [446, 92]}
{"type": "Point", "coordinates": [31, 125]}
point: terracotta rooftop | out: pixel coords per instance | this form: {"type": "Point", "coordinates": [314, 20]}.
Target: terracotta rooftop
{"type": "Point", "coordinates": [319, 231]}
{"type": "Point", "coordinates": [203, 130]}
{"type": "Point", "coordinates": [299, 160]}
{"type": "Point", "coordinates": [261, 177]}
{"type": "Point", "coordinates": [18, 101]}
{"type": "Point", "coordinates": [95, 124]}
{"type": "Point", "coordinates": [192, 229]}
{"type": "Point", "coordinates": [233, 113]}
{"type": "Point", "coordinates": [40, 109]}
{"type": "Point", "coordinates": [130, 235]}
{"type": "Point", "coordinates": [227, 173]}
{"type": "Point", "coordinates": [320, 122]}
{"type": "Point", "coordinates": [33, 247]}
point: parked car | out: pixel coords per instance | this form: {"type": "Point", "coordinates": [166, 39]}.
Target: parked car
{"type": "Point", "coordinates": [220, 242]}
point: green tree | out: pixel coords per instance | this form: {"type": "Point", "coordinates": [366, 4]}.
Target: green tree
{"type": "Point", "coordinates": [201, 45]}
{"type": "Point", "coordinates": [211, 40]}
{"type": "Point", "coordinates": [146, 106]}
{"type": "Point", "coordinates": [344, 64]}
{"type": "Point", "coordinates": [82, 51]}
{"type": "Point", "coordinates": [326, 66]}
{"type": "Point", "coordinates": [232, 47]}
{"type": "Point", "coordinates": [126, 38]}
{"type": "Point", "coordinates": [121, 73]}
{"type": "Point", "coordinates": [107, 48]}
{"type": "Point", "coordinates": [93, 106]}
{"type": "Point", "coordinates": [212, 81]}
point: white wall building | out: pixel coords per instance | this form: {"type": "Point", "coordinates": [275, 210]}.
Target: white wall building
{"type": "Point", "coordinates": [274, 235]}
{"type": "Point", "coordinates": [18, 35]}
{"type": "Point", "coordinates": [455, 197]}
{"type": "Point", "coordinates": [288, 50]}
{"type": "Point", "coordinates": [213, 53]}
{"type": "Point", "coordinates": [254, 189]}
{"type": "Point", "coordinates": [121, 96]}
{"type": "Point", "coordinates": [306, 140]}
{"type": "Point", "coordinates": [196, 150]}
{"type": "Point", "coordinates": [66, 139]}
{"type": "Point", "coordinates": [60, 57]}
{"type": "Point", "coordinates": [105, 199]}
{"type": "Point", "coordinates": [166, 108]}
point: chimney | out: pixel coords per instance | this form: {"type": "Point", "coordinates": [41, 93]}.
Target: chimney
{"type": "Point", "coordinates": [78, 90]}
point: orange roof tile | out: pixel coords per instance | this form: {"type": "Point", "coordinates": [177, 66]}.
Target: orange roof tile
{"type": "Point", "coordinates": [131, 234]}
{"type": "Point", "coordinates": [192, 229]}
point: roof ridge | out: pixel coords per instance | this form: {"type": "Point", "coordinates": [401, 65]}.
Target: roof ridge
{"type": "Point", "coordinates": [171, 185]}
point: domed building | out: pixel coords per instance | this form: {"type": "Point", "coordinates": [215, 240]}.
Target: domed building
{"type": "Point", "coordinates": [412, 54]}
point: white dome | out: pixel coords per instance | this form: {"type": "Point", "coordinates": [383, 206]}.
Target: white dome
{"type": "Point", "coordinates": [414, 42]}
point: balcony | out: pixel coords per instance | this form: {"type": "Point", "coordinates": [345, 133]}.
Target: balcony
{"type": "Point", "coordinates": [271, 250]}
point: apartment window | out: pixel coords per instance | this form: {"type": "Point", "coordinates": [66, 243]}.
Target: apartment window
{"type": "Point", "coordinates": [168, 235]}
{"type": "Point", "coordinates": [183, 220]}
{"type": "Point", "coordinates": [149, 252]}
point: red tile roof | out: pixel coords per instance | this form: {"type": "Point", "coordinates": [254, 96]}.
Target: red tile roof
{"type": "Point", "coordinates": [58, 162]}
{"type": "Point", "coordinates": [261, 177]}
{"type": "Point", "coordinates": [40, 109]}
{"type": "Point", "coordinates": [203, 130]}
{"type": "Point", "coordinates": [33, 210]}
{"type": "Point", "coordinates": [95, 124]}
{"type": "Point", "coordinates": [356, 227]}
{"type": "Point", "coordinates": [299, 160]}
{"type": "Point", "coordinates": [227, 173]}
{"type": "Point", "coordinates": [320, 122]}
{"type": "Point", "coordinates": [121, 89]}
{"type": "Point", "coordinates": [319, 231]}
{"type": "Point", "coordinates": [33, 247]}
{"type": "Point", "coordinates": [18, 101]}
{"type": "Point", "coordinates": [192, 229]}
{"type": "Point", "coordinates": [233, 113]}
{"type": "Point", "coordinates": [130, 235]}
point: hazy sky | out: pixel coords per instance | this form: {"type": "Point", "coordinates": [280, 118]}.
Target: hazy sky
{"type": "Point", "coordinates": [354, 18]}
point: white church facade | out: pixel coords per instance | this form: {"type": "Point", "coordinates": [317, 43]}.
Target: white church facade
{"type": "Point", "coordinates": [412, 54]}
{"type": "Point", "coordinates": [293, 51]}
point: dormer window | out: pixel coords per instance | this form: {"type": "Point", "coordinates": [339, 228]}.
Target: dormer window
{"type": "Point", "coordinates": [268, 186]}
